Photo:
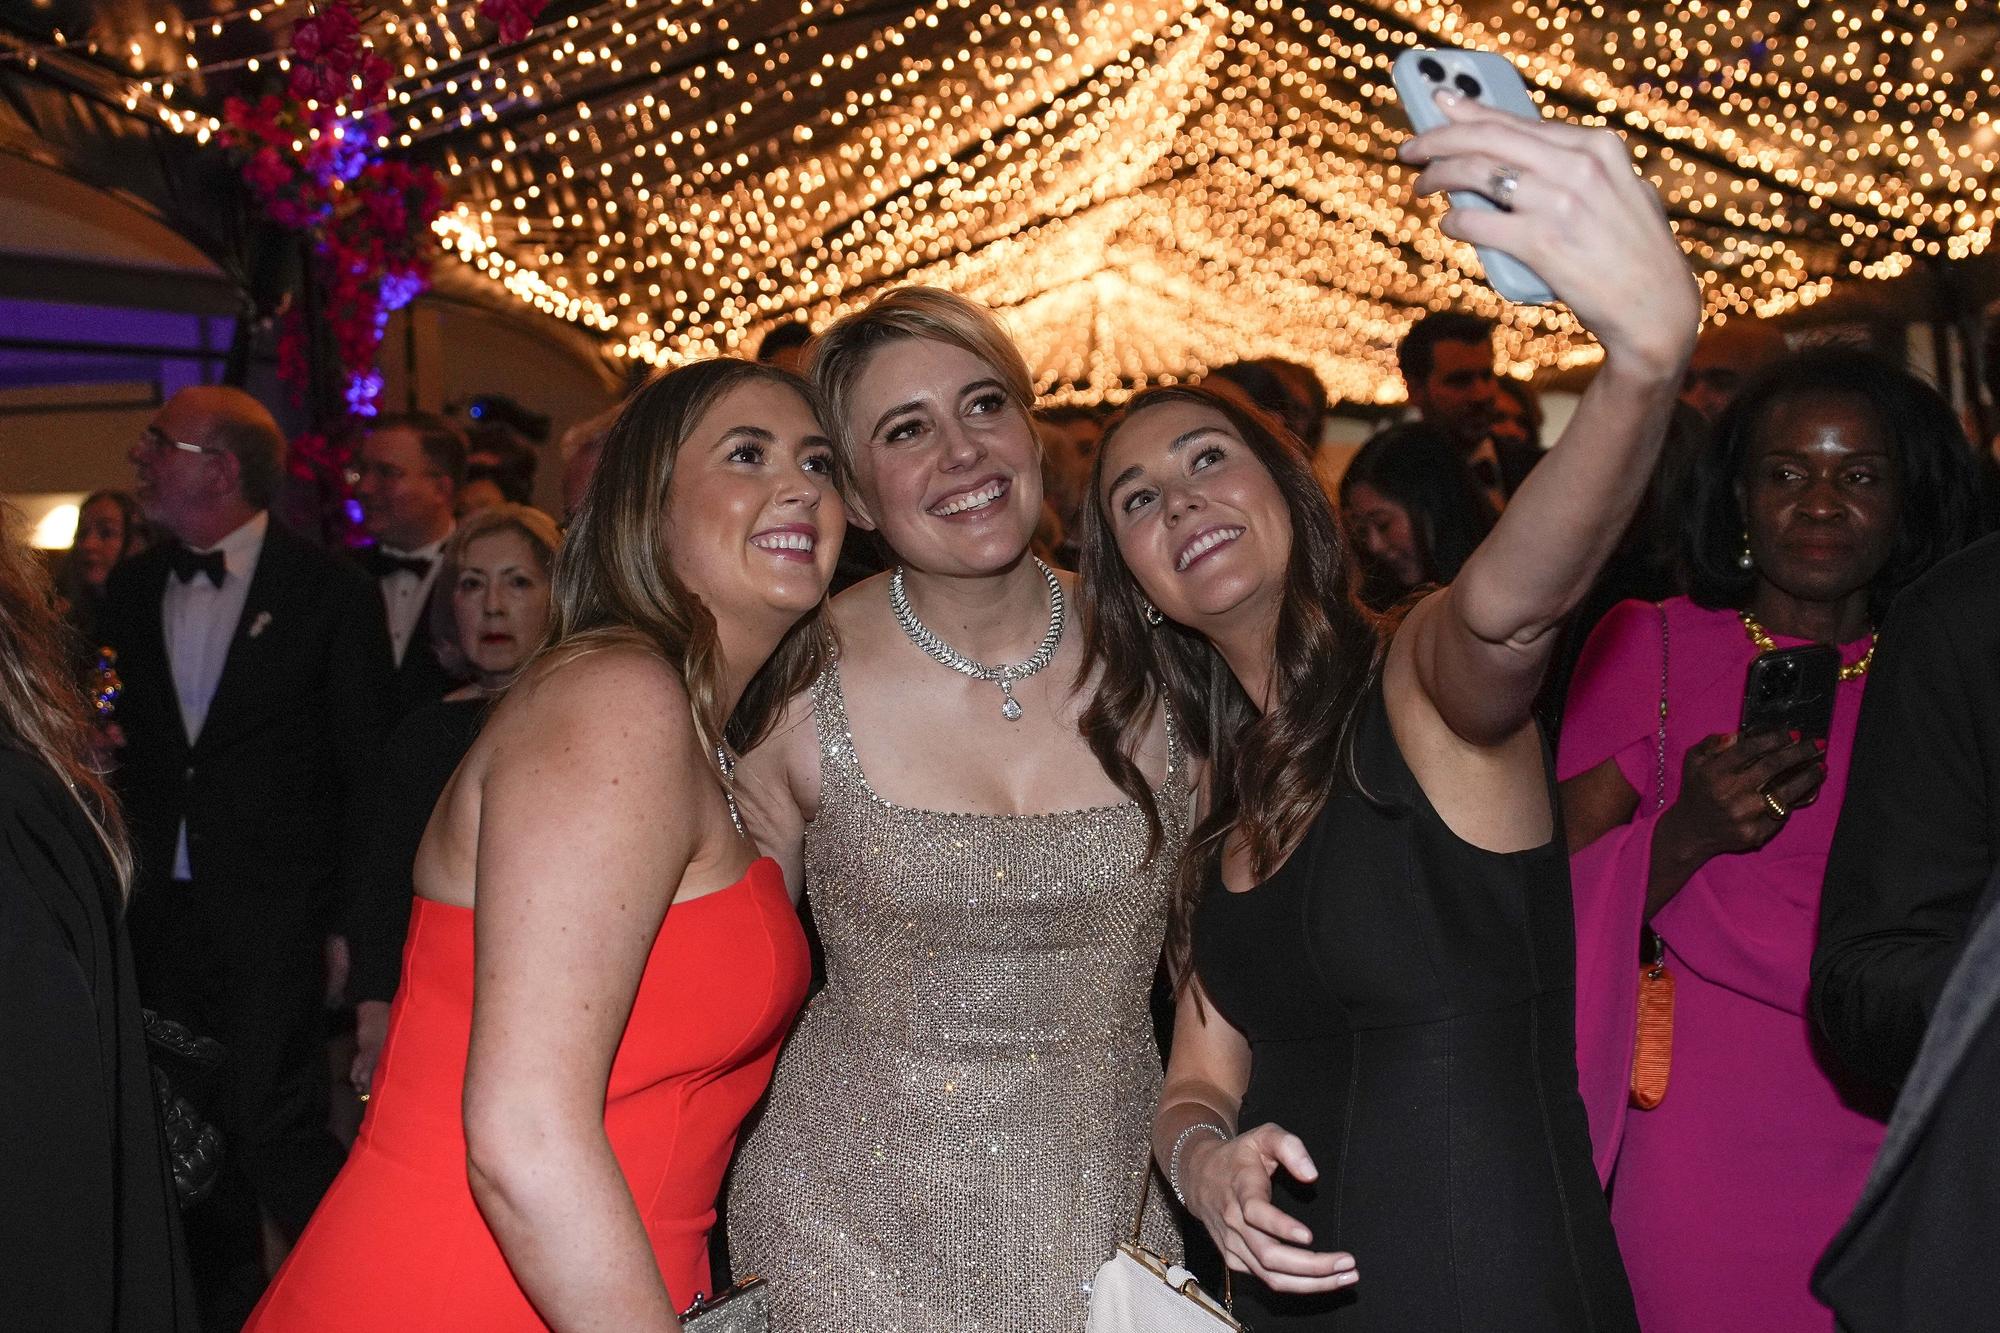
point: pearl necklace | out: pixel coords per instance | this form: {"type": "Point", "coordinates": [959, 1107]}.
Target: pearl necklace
{"type": "Point", "coordinates": [947, 656]}
{"type": "Point", "coordinates": [1761, 637]}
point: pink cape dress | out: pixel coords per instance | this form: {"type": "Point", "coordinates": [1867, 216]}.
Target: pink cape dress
{"type": "Point", "coordinates": [1725, 1194]}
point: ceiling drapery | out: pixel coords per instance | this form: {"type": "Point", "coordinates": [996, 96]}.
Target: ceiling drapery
{"type": "Point", "coordinates": [1143, 189]}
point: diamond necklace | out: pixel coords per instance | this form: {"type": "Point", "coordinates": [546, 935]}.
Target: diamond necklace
{"type": "Point", "coordinates": [727, 764]}
{"type": "Point", "coordinates": [945, 655]}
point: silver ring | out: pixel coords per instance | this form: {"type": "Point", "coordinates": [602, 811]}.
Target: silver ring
{"type": "Point", "coordinates": [1500, 188]}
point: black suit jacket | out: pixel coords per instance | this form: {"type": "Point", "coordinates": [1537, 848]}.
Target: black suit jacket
{"type": "Point", "coordinates": [1917, 1256]}
{"type": "Point", "coordinates": [420, 678]}
{"type": "Point", "coordinates": [90, 1234]}
{"type": "Point", "coordinates": [1920, 830]}
{"type": "Point", "coordinates": [1516, 462]}
{"type": "Point", "coordinates": [271, 790]}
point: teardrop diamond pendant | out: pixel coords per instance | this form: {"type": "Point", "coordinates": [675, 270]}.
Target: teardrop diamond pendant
{"type": "Point", "coordinates": [1011, 708]}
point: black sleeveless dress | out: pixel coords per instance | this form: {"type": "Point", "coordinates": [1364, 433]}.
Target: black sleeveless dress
{"type": "Point", "coordinates": [1407, 999]}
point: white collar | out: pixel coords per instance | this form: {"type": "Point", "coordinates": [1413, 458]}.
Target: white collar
{"type": "Point", "coordinates": [239, 549]}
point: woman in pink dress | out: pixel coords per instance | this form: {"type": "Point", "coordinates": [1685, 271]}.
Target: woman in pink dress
{"type": "Point", "coordinates": [1832, 482]}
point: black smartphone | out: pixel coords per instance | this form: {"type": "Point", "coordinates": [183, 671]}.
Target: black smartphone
{"type": "Point", "coordinates": [1791, 689]}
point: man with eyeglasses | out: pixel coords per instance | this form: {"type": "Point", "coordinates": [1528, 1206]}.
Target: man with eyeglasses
{"type": "Point", "coordinates": [406, 476]}
{"type": "Point", "coordinates": [255, 669]}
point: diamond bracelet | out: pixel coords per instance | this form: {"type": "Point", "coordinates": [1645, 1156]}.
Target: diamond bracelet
{"type": "Point", "coordinates": [1174, 1157]}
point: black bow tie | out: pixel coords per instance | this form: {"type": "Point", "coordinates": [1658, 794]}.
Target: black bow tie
{"type": "Point", "coordinates": [383, 563]}
{"type": "Point", "coordinates": [188, 563]}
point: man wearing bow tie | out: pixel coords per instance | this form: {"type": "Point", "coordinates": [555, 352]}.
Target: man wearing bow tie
{"type": "Point", "coordinates": [1447, 364]}
{"type": "Point", "coordinates": [406, 477]}
{"type": "Point", "coordinates": [256, 669]}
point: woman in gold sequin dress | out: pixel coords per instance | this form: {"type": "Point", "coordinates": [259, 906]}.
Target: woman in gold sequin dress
{"type": "Point", "coordinates": [958, 1129]}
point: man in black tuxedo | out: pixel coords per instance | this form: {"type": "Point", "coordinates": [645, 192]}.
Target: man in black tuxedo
{"type": "Point", "coordinates": [1906, 978]}
{"type": "Point", "coordinates": [1919, 830]}
{"type": "Point", "coordinates": [256, 670]}
{"type": "Point", "coordinates": [407, 477]}
{"type": "Point", "coordinates": [1447, 364]}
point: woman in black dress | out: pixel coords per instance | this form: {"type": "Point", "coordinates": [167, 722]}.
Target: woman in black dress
{"type": "Point", "coordinates": [89, 1226]}
{"type": "Point", "coordinates": [497, 567]}
{"type": "Point", "coordinates": [1372, 930]}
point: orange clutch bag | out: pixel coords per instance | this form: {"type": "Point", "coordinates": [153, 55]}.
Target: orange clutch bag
{"type": "Point", "coordinates": [1653, 1051]}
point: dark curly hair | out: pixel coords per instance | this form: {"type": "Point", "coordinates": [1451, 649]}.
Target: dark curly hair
{"type": "Point", "coordinates": [1933, 466]}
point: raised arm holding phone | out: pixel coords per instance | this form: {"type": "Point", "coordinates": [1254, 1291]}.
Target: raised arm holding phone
{"type": "Point", "coordinates": [1371, 1100]}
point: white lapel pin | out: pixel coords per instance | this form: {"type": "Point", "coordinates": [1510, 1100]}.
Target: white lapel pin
{"type": "Point", "coordinates": [260, 624]}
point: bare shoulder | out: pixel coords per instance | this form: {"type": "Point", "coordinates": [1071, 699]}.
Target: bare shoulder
{"type": "Point", "coordinates": [618, 699]}
{"type": "Point", "coordinates": [859, 609]}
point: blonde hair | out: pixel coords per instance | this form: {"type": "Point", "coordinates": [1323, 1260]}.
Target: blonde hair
{"type": "Point", "coordinates": [614, 584]}
{"type": "Point", "coordinates": [544, 538]}
{"type": "Point", "coordinates": [42, 709]}
{"type": "Point", "coordinates": [928, 313]}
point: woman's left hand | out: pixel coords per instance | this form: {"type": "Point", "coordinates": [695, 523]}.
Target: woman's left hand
{"type": "Point", "coordinates": [1579, 215]}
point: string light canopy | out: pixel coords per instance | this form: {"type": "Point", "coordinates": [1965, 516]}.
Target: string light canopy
{"type": "Point", "coordinates": [1144, 189]}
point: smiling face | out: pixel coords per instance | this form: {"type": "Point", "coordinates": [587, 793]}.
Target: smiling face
{"type": "Point", "coordinates": [945, 460]}
{"type": "Point", "coordinates": [500, 603]}
{"type": "Point", "coordinates": [1197, 517]}
{"type": "Point", "coordinates": [1821, 496]}
{"type": "Point", "coordinates": [754, 521]}
{"type": "Point", "coordinates": [1383, 529]}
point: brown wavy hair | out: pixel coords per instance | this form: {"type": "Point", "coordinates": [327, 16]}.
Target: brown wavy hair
{"type": "Point", "coordinates": [42, 708]}
{"type": "Point", "coordinates": [613, 583]}
{"type": "Point", "coordinates": [1269, 773]}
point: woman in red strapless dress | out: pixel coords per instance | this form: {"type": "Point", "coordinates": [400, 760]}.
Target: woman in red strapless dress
{"type": "Point", "coordinates": [569, 1060]}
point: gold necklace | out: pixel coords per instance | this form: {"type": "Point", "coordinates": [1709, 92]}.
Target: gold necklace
{"type": "Point", "coordinates": [1762, 638]}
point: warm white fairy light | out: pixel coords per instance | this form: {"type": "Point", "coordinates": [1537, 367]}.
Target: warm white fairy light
{"type": "Point", "coordinates": [1144, 187]}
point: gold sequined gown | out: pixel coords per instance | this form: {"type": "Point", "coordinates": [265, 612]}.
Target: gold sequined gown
{"type": "Point", "coordinates": [957, 1129]}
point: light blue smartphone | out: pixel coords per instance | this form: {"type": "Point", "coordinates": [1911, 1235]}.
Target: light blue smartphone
{"type": "Point", "coordinates": [1490, 80]}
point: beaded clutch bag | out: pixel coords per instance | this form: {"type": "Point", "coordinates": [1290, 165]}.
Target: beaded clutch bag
{"type": "Point", "coordinates": [744, 1308]}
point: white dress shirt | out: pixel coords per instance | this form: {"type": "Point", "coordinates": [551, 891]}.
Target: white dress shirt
{"type": "Point", "coordinates": [405, 596]}
{"type": "Point", "coordinates": [199, 620]}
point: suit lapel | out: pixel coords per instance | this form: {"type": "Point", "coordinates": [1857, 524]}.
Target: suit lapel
{"type": "Point", "coordinates": [148, 658]}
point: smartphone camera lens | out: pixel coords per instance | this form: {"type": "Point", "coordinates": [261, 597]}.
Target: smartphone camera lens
{"type": "Point", "coordinates": [1431, 70]}
{"type": "Point", "coordinates": [1468, 85]}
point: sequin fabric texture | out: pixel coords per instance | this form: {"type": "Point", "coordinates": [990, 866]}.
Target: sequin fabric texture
{"type": "Point", "coordinates": [957, 1130]}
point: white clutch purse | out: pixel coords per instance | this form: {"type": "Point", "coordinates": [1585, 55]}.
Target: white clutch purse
{"type": "Point", "coordinates": [1136, 1291]}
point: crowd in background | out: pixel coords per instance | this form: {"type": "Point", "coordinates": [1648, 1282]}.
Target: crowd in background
{"type": "Point", "coordinates": [278, 721]}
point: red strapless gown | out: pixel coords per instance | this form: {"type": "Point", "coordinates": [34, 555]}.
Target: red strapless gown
{"type": "Point", "coordinates": [398, 1243]}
